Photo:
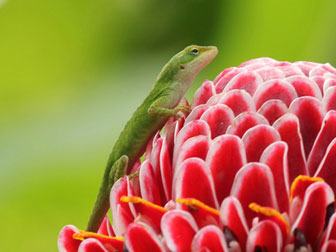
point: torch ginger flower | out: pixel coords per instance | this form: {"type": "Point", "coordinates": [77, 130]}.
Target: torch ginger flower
{"type": "Point", "coordinates": [251, 168]}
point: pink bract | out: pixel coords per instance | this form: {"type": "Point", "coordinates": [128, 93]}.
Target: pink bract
{"type": "Point", "coordinates": [251, 168]}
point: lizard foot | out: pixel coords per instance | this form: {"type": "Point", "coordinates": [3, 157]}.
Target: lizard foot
{"type": "Point", "coordinates": [181, 108]}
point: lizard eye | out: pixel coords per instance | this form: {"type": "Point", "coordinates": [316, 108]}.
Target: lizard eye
{"type": "Point", "coordinates": [194, 51]}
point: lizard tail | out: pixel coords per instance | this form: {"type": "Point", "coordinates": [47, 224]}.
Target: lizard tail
{"type": "Point", "coordinates": [102, 205]}
{"type": "Point", "coordinates": [100, 208]}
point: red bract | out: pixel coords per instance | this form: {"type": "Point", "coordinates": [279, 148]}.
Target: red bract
{"type": "Point", "coordinates": [251, 168]}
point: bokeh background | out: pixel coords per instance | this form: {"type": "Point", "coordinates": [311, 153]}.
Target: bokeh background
{"type": "Point", "coordinates": [73, 72]}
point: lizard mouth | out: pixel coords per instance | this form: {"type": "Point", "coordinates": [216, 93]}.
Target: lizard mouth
{"type": "Point", "coordinates": [210, 53]}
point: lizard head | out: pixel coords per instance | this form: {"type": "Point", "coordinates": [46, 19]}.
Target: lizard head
{"type": "Point", "coordinates": [194, 58]}
{"type": "Point", "coordinates": [190, 61]}
{"type": "Point", "coordinates": [185, 65]}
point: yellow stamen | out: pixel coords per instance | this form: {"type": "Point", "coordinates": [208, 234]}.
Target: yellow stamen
{"type": "Point", "coordinates": [136, 200]}
{"type": "Point", "coordinates": [197, 203]}
{"type": "Point", "coordinates": [302, 178]}
{"type": "Point", "coordinates": [268, 211]}
{"type": "Point", "coordinates": [83, 234]}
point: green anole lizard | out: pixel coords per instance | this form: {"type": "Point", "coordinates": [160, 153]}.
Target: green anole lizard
{"type": "Point", "coordinates": [162, 102]}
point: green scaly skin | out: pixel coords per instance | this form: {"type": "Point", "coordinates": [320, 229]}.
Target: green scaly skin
{"type": "Point", "coordinates": [161, 103]}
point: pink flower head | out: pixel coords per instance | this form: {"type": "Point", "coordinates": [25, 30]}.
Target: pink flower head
{"type": "Point", "coordinates": [251, 168]}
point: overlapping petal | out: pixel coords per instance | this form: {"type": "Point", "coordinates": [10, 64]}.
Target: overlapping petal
{"type": "Point", "coordinates": [251, 168]}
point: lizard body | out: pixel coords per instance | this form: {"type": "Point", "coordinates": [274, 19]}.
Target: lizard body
{"type": "Point", "coordinates": [161, 103]}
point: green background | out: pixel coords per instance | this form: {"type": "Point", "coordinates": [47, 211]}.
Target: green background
{"type": "Point", "coordinates": [72, 72]}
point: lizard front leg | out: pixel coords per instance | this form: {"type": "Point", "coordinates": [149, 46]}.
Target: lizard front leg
{"type": "Point", "coordinates": [158, 108]}
{"type": "Point", "coordinates": [119, 169]}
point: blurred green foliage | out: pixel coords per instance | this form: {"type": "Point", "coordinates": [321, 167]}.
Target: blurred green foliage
{"type": "Point", "coordinates": [72, 73]}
